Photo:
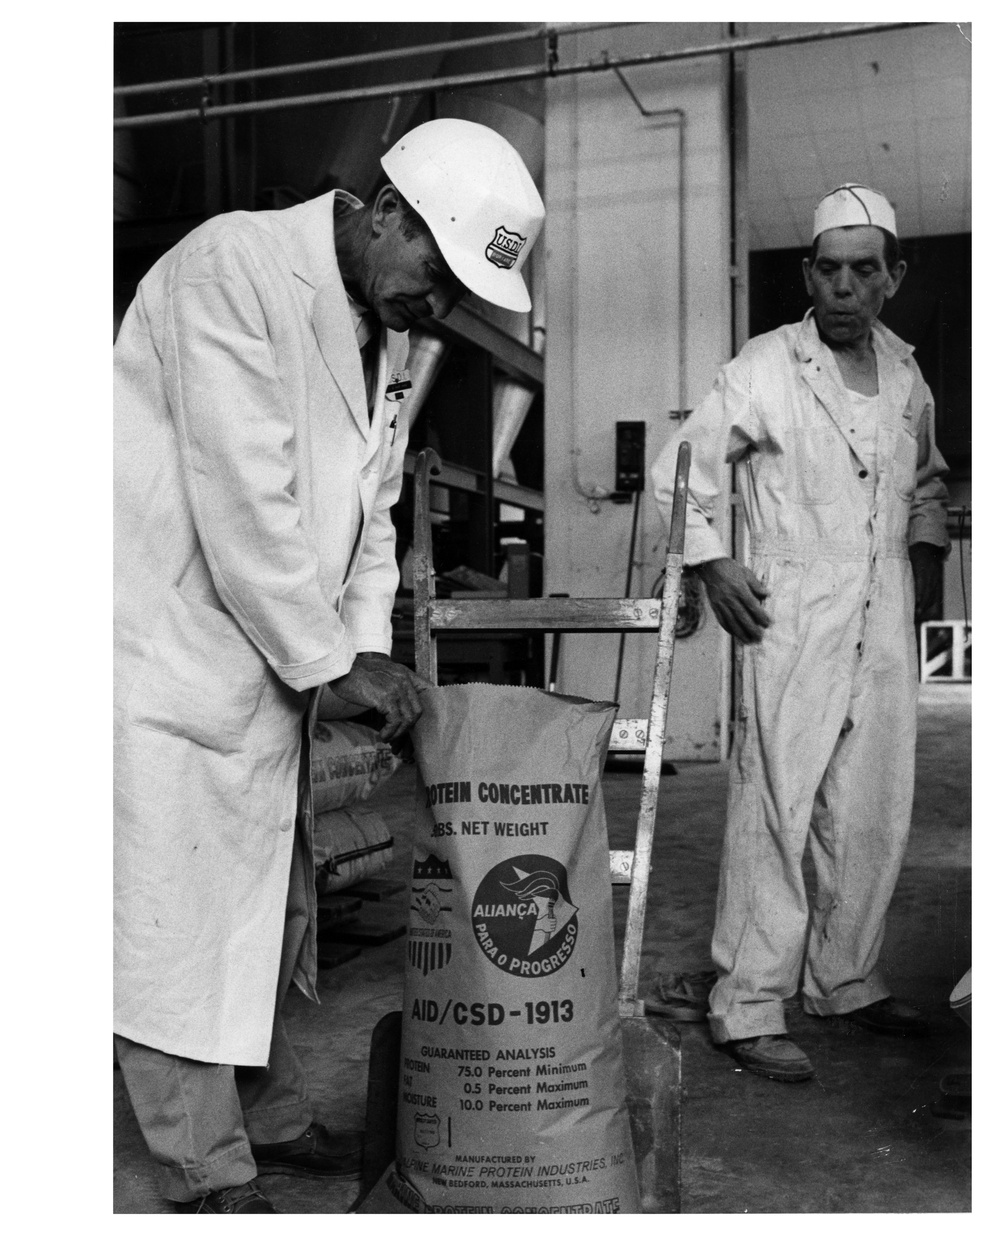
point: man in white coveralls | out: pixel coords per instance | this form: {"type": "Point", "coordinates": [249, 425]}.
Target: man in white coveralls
{"type": "Point", "coordinates": [831, 428]}
{"type": "Point", "coordinates": [260, 429]}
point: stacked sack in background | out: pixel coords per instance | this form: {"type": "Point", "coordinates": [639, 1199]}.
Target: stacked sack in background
{"type": "Point", "coordinates": [351, 842]}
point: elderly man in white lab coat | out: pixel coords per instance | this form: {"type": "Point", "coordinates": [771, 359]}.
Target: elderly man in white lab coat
{"type": "Point", "coordinates": [260, 430]}
{"type": "Point", "coordinates": [830, 426]}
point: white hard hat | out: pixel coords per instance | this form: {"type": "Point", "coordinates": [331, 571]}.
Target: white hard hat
{"type": "Point", "coordinates": [853, 205]}
{"type": "Point", "coordinates": [472, 189]}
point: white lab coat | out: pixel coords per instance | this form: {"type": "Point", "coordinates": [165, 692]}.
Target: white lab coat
{"type": "Point", "coordinates": [826, 721]}
{"type": "Point", "coordinates": [254, 557]}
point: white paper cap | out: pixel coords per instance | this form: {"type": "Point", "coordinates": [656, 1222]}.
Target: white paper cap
{"type": "Point", "coordinates": [853, 205]}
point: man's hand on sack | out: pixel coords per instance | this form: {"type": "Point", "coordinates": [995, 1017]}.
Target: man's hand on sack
{"type": "Point", "coordinates": [925, 560]}
{"type": "Point", "coordinates": [736, 597]}
{"type": "Point", "coordinates": [376, 681]}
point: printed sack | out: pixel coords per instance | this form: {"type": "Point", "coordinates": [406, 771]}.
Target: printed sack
{"type": "Point", "coordinates": [512, 1084]}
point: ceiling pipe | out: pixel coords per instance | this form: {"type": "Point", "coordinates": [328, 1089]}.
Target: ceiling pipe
{"type": "Point", "coordinates": [593, 493]}
{"type": "Point", "coordinates": [677, 118]}
{"type": "Point", "coordinates": [371, 58]}
{"type": "Point", "coordinates": [552, 69]}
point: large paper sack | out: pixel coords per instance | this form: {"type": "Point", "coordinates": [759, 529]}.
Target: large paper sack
{"type": "Point", "coordinates": [512, 1095]}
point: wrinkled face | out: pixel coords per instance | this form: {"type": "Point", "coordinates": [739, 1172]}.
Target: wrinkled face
{"type": "Point", "coordinates": [849, 282]}
{"type": "Point", "coordinates": [405, 279]}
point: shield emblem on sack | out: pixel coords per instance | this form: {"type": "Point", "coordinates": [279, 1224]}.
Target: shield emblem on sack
{"type": "Point", "coordinates": [427, 1130]}
{"type": "Point", "coordinates": [429, 941]}
{"type": "Point", "coordinates": [428, 954]}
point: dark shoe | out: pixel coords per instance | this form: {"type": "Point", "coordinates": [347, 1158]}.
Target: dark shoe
{"type": "Point", "coordinates": [772, 1055]}
{"type": "Point", "coordinates": [236, 1200]}
{"type": "Point", "coordinates": [889, 1016]}
{"type": "Point", "coordinates": [318, 1152]}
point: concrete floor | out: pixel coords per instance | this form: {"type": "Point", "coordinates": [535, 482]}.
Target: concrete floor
{"type": "Point", "coordinates": [860, 1137]}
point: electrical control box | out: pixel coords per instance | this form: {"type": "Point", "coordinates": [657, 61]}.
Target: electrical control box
{"type": "Point", "coordinates": [630, 456]}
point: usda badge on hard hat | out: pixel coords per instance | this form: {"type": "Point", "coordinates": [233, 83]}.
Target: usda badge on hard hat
{"type": "Point", "coordinates": [476, 196]}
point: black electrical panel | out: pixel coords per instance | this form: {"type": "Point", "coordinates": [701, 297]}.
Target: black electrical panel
{"type": "Point", "coordinates": [630, 456]}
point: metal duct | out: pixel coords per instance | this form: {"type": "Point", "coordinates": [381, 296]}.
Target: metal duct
{"type": "Point", "coordinates": [511, 401]}
{"type": "Point", "coordinates": [516, 118]}
{"type": "Point", "coordinates": [427, 355]}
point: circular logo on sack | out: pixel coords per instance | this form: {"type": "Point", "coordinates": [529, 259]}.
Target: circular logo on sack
{"type": "Point", "coordinates": [523, 917]}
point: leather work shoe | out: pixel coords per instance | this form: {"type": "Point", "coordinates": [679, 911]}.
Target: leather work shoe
{"type": "Point", "coordinates": [235, 1200]}
{"type": "Point", "coordinates": [317, 1152]}
{"type": "Point", "coordinates": [773, 1055]}
{"type": "Point", "coordinates": [889, 1016]}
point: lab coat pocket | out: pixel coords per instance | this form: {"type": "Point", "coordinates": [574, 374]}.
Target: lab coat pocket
{"type": "Point", "coordinates": [203, 679]}
{"type": "Point", "coordinates": [904, 460]}
{"type": "Point", "coordinates": [813, 464]}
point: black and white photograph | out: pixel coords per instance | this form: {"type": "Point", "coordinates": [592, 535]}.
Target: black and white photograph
{"type": "Point", "coordinates": [541, 511]}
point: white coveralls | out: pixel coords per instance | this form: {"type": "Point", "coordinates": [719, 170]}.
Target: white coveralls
{"type": "Point", "coordinates": [826, 723]}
